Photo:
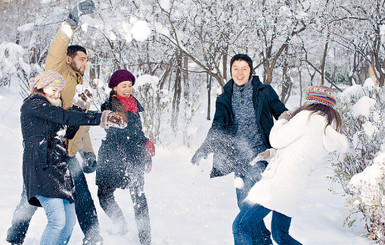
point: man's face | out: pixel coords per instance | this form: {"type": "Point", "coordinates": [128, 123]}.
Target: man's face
{"type": "Point", "coordinates": [240, 72]}
{"type": "Point", "coordinates": [79, 62]}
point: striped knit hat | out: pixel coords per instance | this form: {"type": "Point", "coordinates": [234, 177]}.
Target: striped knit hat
{"type": "Point", "coordinates": [320, 94]}
{"type": "Point", "coordinates": [47, 79]}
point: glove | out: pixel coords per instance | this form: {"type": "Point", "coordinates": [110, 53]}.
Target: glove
{"type": "Point", "coordinates": [199, 154]}
{"type": "Point", "coordinates": [83, 98]}
{"type": "Point", "coordinates": [263, 156]}
{"type": "Point", "coordinates": [113, 119]}
{"type": "Point", "coordinates": [84, 7]}
{"type": "Point", "coordinates": [150, 147]}
{"type": "Point", "coordinates": [89, 162]}
{"type": "Point", "coordinates": [148, 167]}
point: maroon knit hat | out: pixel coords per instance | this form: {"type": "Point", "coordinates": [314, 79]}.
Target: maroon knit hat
{"type": "Point", "coordinates": [121, 76]}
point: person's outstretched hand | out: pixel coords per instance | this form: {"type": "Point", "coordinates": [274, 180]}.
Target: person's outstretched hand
{"type": "Point", "coordinates": [89, 162]}
{"type": "Point", "coordinates": [113, 119]}
{"type": "Point", "coordinates": [150, 147]}
{"type": "Point", "coordinates": [263, 156]}
{"type": "Point", "coordinates": [199, 154]}
{"type": "Point", "coordinates": [83, 98]}
{"type": "Point", "coordinates": [82, 8]}
{"type": "Point", "coordinates": [285, 115]}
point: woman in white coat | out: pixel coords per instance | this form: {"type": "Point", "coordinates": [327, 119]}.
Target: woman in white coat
{"type": "Point", "coordinates": [302, 140]}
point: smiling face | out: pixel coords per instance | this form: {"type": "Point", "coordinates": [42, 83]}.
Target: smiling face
{"type": "Point", "coordinates": [240, 72]}
{"type": "Point", "coordinates": [52, 92]}
{"type": "Point", "coordinates": [123, 89]}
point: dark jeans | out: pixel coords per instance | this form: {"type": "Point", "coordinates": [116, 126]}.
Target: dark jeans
{"type": "Point", "coordinates": [84, 206]}
{"type": "Point", "coordinates": [251, 176]}
{"type": "Point", "coordinates": [112, 209]}
{"type": "Point", "coordinates": [20, 220]}
{"type": "Point", "coordinates": [246, 233]}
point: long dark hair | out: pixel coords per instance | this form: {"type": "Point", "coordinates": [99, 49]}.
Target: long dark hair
{"type": "Point", "coordinates": [331, 114]}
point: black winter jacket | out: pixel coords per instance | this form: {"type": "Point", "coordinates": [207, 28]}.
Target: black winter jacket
{"type": "Point", "coordinates": [220, 140]}
{"type": "Point", "coordinates": [122, 155]}
{"type": "Point", "coordinates": [45, 171]}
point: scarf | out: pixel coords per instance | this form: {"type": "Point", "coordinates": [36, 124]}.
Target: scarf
{"type": "Point", "coordinates": [129, 103]}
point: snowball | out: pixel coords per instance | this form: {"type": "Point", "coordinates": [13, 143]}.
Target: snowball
{"type": "Point", "coordinates": [84, 27]}
{"type": "Point", "coordinates": [140, 30]}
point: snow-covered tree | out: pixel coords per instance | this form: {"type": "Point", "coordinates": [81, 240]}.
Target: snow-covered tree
{"type": "Point", "coordinates": [362, 110]}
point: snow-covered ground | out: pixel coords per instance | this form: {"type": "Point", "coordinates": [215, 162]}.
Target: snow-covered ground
{"type": "Point", "coordinates": [186, 207]}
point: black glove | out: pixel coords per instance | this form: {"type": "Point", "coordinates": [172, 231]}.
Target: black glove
{"type": "Point", "coordinates": [89, 162]}
{"type": "Point", "coordinates": [84, 7]}
{"type": "Point", "coordinates": [199, 154]}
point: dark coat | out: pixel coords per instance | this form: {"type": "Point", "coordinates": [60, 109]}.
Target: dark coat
{"type": "Point", "coordinates": [45, 171]}
{"type": "Point", "coordinates": [122, 155]}
{"type": "Point", "coordinates": [220, 140]}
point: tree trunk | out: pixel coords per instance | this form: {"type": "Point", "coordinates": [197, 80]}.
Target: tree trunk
{"type": "Point", "coordinates": [323, 61]}
{"type": "Point", "coordinates": [186, 90]}
{"type": "Point", "coordinates": [177, 92]}
{"type": "Point", "coordinates": [286, 82]}
{"type": "Point", "coordinates": [208, 96]}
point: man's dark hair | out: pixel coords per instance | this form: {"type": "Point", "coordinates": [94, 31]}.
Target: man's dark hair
{"type": "Point", "coordinates": [244, 57]}
{"type": "Point", "coordinates": [73, 49]}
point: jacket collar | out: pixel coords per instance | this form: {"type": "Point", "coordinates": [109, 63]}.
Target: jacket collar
{"type": "Point", "coordinates": [76, 75]}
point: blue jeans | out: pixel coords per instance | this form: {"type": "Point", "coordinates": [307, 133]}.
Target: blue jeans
{"type": "Point", "coordinates": [251, 176]}
{"type": "Point", "coordinates": [84, 206]}
{"type": "Point", "coordinates": [61, 218]}
{"type": "Point", "coordinates": [246, 233]}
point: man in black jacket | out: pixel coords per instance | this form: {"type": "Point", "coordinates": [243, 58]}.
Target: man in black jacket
{"type": "Point", "coordinates": [240, 129]}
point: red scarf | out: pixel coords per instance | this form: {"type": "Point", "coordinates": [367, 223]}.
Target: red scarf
{"type": "Point", "coordinates": [129, 103]}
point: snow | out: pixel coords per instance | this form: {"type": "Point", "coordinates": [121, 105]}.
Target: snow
{"type": "Point", "coordinates": [362, 107]}
{"type": "Point", "coordinates": [165, 4]}
{"type": "Point", "coordinates": [186, 206]}
{"type": "Point", "coordinates": [147, 79]}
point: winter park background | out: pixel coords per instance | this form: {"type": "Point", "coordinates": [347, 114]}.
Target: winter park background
{"type": "Point", "coordinates": [179, 52]}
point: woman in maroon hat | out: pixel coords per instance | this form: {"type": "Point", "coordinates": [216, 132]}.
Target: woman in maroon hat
{"type": "Point", "coordinates": [124, 157]}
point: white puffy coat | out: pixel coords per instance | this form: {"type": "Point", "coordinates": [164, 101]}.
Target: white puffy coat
{"type": "Point", "coordinates": [301, 144]}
